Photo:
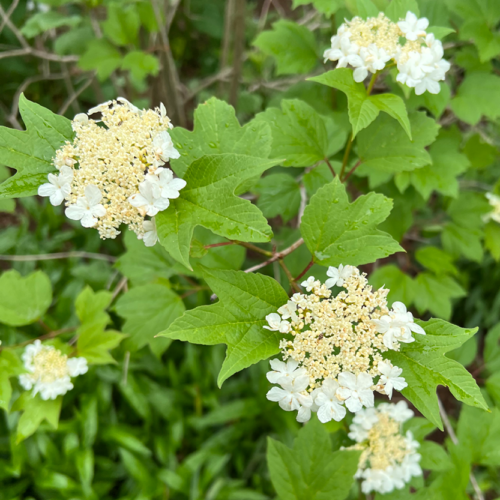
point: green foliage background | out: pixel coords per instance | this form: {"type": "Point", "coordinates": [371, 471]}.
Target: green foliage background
{"type": "Point", "coordinates": [244, 79]}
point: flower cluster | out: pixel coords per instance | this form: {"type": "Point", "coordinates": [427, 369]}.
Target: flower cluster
{"type": "Point", "coordinates": [333, 349]}
{"type": "Point", "coordinates": [114, 174]}
{"type": "Point", "coordinates": [495, 203]}
{"type": "Point", "coordinates": [49, 370]}
{"type": "Point", "coordinates": [389, 459]}
{"type": "Point", "coordinates": [369, 45]}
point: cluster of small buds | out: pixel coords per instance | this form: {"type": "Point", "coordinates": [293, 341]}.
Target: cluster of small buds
{"type": "Point", "coordinates": [49, 371]}
{"type": "Point", "coordinates": [389, 459]}
{"type": "Point", "coordinates": [114, 174]}
{"type": "Point", "coordinates": [333, 351]}
{"type": "Point", "coordinates": [494, 201]}
{"type": "Point", "coordinates": [369, 45]}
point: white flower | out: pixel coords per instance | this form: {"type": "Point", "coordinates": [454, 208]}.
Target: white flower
{"type": "Point", "coordinates": [87, 208]}
{"type": "Point", "coordinates": [129, 105]}
{"type": "Point", "coordinates": [494, 201]}
{"type": "Point", "coordinates": [412, 27]}
{"type": "Point", "coordinates": [342, 49]}
{"type": "Point", "coordinates": [100, 108]}
{"type": "Point", "coordinates": [284, 372]}
{"type": "Point", "coordinates": [309, 283]}
{"type": "Point", "coordinates": [49, 371]}
{"type": "Point", "coordinates": [355, 390]}
{"type": "Point", "coordinates": [77, 366]}
{"type": "Point", "coordinates": [338, 276]}
{"type": "Point", "coordinates": [164, 147]}
{"type": "Point", "coordinates": [150, 236]}
{"type": "Point", "coordinates": [376, 480]}
{"type": "Point", "coordinates": [146, 201]}
{"type": "Point", "coordinates": [288, 310]}
{"type": "Point", "coordinates": [398, 411]}
{"type": "Point", "coordinates": [164, 184]}
{"type": "Point", "coordinates": [390, 378]}
{"type": "Point", "coordinates": [397, 326]}
{"type": "Point", "coordinates": [363, 421]}
{"type": "Point", "coordinates": [276, 324]}
{"type": "Point", "coordinates": [290, 397]}
{"type": "Point", "coordinates": [371, 58]}
{"type": "Point", "coordinates": [58, 187]}
{"type": "Point", "coordinates": [329, 407]}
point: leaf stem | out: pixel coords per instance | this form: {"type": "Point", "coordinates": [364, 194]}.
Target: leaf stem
{"type": "Point", "coordinates": [47, 336]}
{"type": "Point", "coordinates": [305, 270]}
{"type": "Point", "coordinates": [372, 83]}
{"type": "Point", "coordinates": [276, 256]}
{"type": "Point", "coordinates": [223, 244]}
{"type": "Point", "coordinates": [351, 171]}
{"type": "Point", "coordinates": [330, 167]}
{"type": "Point", "coordinates": [449, 429]}
{"type": "Point", "coordinates": [255, 248]}
{"type": "Point", "coordinates": [346, 155]}
{"type": "Point", "coordinates": [293, 284]}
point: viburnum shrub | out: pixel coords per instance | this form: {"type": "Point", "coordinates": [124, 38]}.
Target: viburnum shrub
{"type": "Point", "coordinates": [356, 194]}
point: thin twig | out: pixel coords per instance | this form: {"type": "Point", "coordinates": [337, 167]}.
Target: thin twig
{"type": "Point", "coordinates": [67, 103]}
{"type": "Point", "coordinates": [60, 255]}
{"type": "Point", "coordinates": [11, 10]}
{"type": "Point", "coordinates": [239, 47]}
{"type": "Point", "coordinates": [29, 51]}
{"type": "Point", "coordinates": [126, 361]}
{"type": "Point", "coordinates": [353, 169]}
{"type": "Point", "coordinates": [7, 21]}
{"type": "Point", "coordinates": [122, 285]}
{"type": "Point", "coordinates": [226, 42]}
{"type": "Point", "coordinates": [454, 439]}
{"type": "Point", "coordinates": [305, 270]}
{"type": "Point", "coordinates": [276, 256]}
{"type": "Point", "coordinates": [47, 336]}
{"type": "Point", "coordinates": [303, 203]}
{"type": "Point", "coordinates": [292, 282]}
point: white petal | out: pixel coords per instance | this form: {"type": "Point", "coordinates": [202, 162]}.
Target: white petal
{"type": "Point", "coordinates": [347, 379]}
{"type": "Point", "coordinates": [75, 212]}
{"type": "Point", "coordinates": [98, 211]}
{"type": "Point", "coordinates": [93, 194]}
{"type": "Point", "coordinates": [88, 220]}
{"type": "Point", "coordinates": [353, 404]}
{"type": "Point", "coordinates": [46, 189]}
{"type": "Point", "coordinates": [57, 198]}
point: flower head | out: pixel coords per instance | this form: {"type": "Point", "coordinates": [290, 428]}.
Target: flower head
{"type": "Point", "coordinates": [339, 342]}
{"type": "Point", "coordinates": [494, 201]}
{"type": "Point", "coordinates": [123, 159]}
{"type": "Point", "coordinates": [368, 45]}
{"type": "Point", "coordinates": [389, 459]}
{"type": "Point", "coordinates": [49, 371]}
{"type": "Point", "coordinates": [150, 236]}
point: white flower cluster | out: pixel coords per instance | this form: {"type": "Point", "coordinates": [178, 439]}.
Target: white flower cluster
{"type": "Point", "coordinates": [389, 459]}
{"type": "Point", "coordinates": [49, 370]}
{"type": "Point", "coordinates": [494, 201]}
{"type": "Point", "coordinates": [115, 173]}
{"type": "Point", "coordinates": [332, 354]}
{"type": "Point", "coordinates": [369, 45]}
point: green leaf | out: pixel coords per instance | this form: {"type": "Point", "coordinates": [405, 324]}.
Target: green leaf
{"type": "Point", "coordinates": [401, 286]}
{"type": "Point", "coordinates": [237, 320]}
{"type": "Point", "coordinates": [279, 194]}
{"type": "Point", "coordinates": [398, 8]}
{"type": "Point", "coordinates": [140, 64]}
{"type": "Point", "coordinates": [477, 96]}
{"type": "Point", "coordinates": [492, 349]}
{"type": "Point", "coordinates": [492, 239]}
{"type": "Point", "coordinates": [24, 300]}
{"type": "Point", "coordinates": [366, 9]}
{"type": "Point", "coordinates": [45, 21]}
{"type": "Point", "coordinates": [31, 152]}
{"type": "Point", "coordinates": [36, 410]}
{"type": "Point", "coordinates": [487, 10]}
{"type": "Point", "coordinates": [447, 164]}
{"type": "Point", "coordinates": [435, 294]}
{"type": "Point", "coordinates": [74, 41]}
{"type": "Point", "coordinates": [436, 260]}
{"type": "Point", "coordinates": [425, 367]}
{"type": "Point", "coordinates": [93, 341]}
{"type": "Point", "coordinates": [469, 209]}
{"type": "Point", "coordinates": [299, 133]}
{"type": "Point", "coordinates": [327, 7]}
{"type": "Point", "coordinates": [459, 240]}
{"type": "Point", "coordinates": [435, 103]}
{"type": "Point", "coordinates": [434, 457]}
{"type": "Point", "coordinates": [292, 46]}
{"type": "Point", "coordinates": [385, 147]}
{"type": "Point", "coordinates": [217, 131]}
{"type": "Point", "coordinates": [479, 431]}
{"type": "Point", "coordinates": [486, 40]}
{"type": "Point", "coordinates": [208, 200]}
{"type": "Point", "coordinates": [311, 470]}
{"type": "Point", "coordinates": [336, 231]}
{"type": "Point", "coordinates": [10, 366]}
{"type": "Point", "coordinates": [102, 57]}
{"type": "Point", "coordinates": [319, 176]}
{"type": "Point", "coordinates": [363, 109]}
{"type": "Point", "coordinates": [440, 32]}
{"type": "Point", "coordinates": [142, 264]}
{"type": "Point", "coordinates": [122, 24]}
{"type": "Point", "coordinates": [148, 310]}
{"type": "Point", "coordinates": [481, 154]}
